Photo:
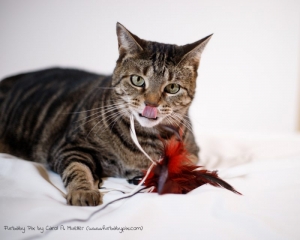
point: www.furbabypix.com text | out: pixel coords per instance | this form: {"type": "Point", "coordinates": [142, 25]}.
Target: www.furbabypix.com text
{"type": "Point", "coordinates": [42, 229]}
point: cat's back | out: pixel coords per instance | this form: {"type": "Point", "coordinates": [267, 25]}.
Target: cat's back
{"type": "Point", "coordinates": [31, 102]}
{"type": "Point", "coordinates": [38, 82]}
{"type": "Point", "coordinates": [37, 79]}
{"type": "Point", "coordinates": [36, 89]}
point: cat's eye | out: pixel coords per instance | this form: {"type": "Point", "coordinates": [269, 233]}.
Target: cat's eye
{"type": "Point", "coordinates": [172, 88]}
{"type": "Point", "coordinates": [137, 81]}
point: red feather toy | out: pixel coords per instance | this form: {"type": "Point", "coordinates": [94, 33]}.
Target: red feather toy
{"type": "Point", "coordinates": [175, 172]}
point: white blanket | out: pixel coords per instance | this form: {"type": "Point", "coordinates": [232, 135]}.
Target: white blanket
{"type": "Point", "coordinates": [265, 169]}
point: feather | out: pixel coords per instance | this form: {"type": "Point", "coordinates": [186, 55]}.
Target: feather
{"type": "Point", "coordinates": [175, 173]}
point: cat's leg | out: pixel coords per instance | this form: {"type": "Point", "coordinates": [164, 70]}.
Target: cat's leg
{"type": "Point", "coordinates": [82, 189]}
{"type": "Point", "coordinates": [78, 172]}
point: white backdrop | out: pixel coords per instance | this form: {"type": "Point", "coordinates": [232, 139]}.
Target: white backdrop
{"type": "Point", "coordinates": [248, 77]}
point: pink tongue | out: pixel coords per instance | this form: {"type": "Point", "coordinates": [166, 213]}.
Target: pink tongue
{"type": "Point", "coordinates": [150, 112]}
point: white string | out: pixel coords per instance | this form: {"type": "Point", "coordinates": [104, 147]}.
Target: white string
{"type": "Point", "coordinates": [135, 139]}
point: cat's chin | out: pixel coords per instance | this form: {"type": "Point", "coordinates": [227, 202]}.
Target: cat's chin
{"type": "Point", "coordinates": [147, 122]}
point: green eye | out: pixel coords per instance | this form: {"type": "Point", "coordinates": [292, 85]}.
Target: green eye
{"type": "Point", "coordinates": [137, 81]}
{"type": "Point", "coordinates": [172, 88]}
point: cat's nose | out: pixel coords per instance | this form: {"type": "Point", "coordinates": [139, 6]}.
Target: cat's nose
{"type": "Point", "coordinates": [152, 98]}
{"type": "Point", "coordinates": [151, 104]}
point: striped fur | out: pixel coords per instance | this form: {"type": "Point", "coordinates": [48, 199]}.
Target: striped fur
{"type": "Point", "coordinates": [78, 122]}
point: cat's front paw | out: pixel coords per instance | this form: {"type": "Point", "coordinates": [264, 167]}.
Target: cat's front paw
{"type": "Point", "coordinates": [84, 198]}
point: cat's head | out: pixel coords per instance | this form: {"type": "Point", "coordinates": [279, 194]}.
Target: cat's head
{"type": "Point", "coordinates": [157, 81]}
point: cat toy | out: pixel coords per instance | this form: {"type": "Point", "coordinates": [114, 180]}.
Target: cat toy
{"type": "Point", "coordinates": [175, 172]}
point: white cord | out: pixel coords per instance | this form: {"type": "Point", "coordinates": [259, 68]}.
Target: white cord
{"type": "Point", "coordinates": [135, 139]}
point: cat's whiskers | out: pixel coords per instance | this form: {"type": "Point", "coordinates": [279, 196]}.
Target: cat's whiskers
{"type": "Point", "coordinates": [185, 123]}
{"type": "Point", "coordinates": [112, 116]}
{"type": "Point", "coordinates": [183, 117]}
{"type": "Point", "coordinates": [82, 124]}
{"type": "Point", "coordinates": [108, 108]}
{"type": "Point", "coordinates": [88, 116]}
{"type": "Point", "coordinates": [107, 118]}
{"type": "Point", "coordinates": [169, 121]}
{"type": "Point", "coordinates": [134, 107]}
{"type": "Point", "coordinates": [121, 114]}
{"type": "Point", "coordinates": [98, 108]}
{"type": "Point", "coordinates": [172, 121]}
{"type": "Point", "coordinates": [175, 121]}
{"type": "Point", "coordinates": [97, 123]}
{"type": "Point", "coordinates": [99, 114]}
{"type": "Point", "coordinates": [178, 117]}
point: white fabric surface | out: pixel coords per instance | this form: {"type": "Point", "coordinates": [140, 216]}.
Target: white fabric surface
{"type": "Point", "coordinates": [265, 169]}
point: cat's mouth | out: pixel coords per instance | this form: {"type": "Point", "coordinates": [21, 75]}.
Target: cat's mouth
{"type": "Point", "coordinates": [149, 112]}
{"type": "Point", "coordinates": [150, 118]}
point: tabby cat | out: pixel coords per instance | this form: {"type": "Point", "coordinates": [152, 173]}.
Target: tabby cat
{"type": "Point", "coordinates": [78, 122]}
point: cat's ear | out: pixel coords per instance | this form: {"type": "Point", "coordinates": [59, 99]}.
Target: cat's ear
{"type": "Point", "coordinates": [193, 51]}
{"type": "Point", "coordinates": [128, 42]}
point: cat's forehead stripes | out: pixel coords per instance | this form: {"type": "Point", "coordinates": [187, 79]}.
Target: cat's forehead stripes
{"type": "Point", "coordinates": [162, 56]}
{"type": "Point", "coordinates": [139, 63]}
{"type": "Point", "coordinates": [146, 68]}
{"type": "Point", "coordinates": [157, 61]}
